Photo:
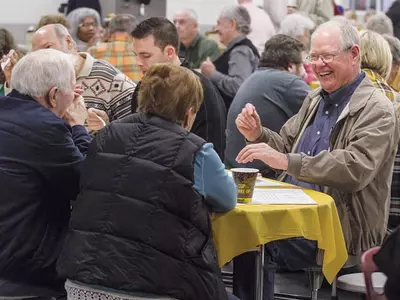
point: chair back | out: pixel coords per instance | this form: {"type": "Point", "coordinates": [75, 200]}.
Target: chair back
{"type": "Point", "coordinates": [369, 267]}
{"type": "Point", "coordinates": [78, 291]}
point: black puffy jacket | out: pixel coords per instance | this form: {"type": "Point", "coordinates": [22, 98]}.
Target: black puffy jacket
{"type": "Point", "coordinates": [138, 225]}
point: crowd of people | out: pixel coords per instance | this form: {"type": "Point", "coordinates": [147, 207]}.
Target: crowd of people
{"type": "Point", "coordinates": [115, 140]}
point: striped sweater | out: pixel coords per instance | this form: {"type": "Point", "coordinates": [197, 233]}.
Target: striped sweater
{"type": "Point", "coordinates": [105, 87]}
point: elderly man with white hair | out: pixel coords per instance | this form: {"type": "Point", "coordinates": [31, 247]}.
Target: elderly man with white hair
{"type": "Point", "coordinates": [342, 142]}
{"type": "Point", "coordinates": [240, 58]}
{"type": "Point", "coordinates": [380, 23]}
{"type": "Point", "coordinates": [194, 47]}
{"type": "Point", "coordinates": [44, 143]}
{"type": "Point", "coordinates": [107, 91]}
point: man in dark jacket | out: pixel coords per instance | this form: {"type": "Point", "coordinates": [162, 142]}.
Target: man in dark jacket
{"type": "Point", "coordinates": [43, 142]}
{"type": "Point", "coordinates": [156, 40]}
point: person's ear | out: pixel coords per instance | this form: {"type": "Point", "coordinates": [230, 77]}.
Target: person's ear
{"type": "Point", "coordinates": [70, 44]}
{"type": "Point", "coordinates": [169, 52]}
{"type": "Point", "coordinates": [52, 98]}
{"type": "Point", "coordinates": [292, 68]}
{"type": "Point", "coordinates": [355, 53]}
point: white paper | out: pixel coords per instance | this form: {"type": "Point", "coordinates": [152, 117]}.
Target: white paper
{"type": "Point", "coordinates": [262, 182]}
{"type": "Point", "coordinates": [281, 197]}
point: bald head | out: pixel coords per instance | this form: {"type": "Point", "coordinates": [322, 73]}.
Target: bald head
{"type": "Point", "coordinates": [53, 36]}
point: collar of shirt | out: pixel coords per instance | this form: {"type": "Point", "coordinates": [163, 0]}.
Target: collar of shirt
{"type": "Point", "coordinates": [343, 94]}
{"type": "Point", "coordinates": [192, 44]}
{"type": "Point", "coordinates": [88, 65]}
{"type": "Point", "coordinates": [120, 37]}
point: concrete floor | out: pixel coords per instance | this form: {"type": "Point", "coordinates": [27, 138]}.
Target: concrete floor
{"type": "Point", "coordinates": [297, 283]}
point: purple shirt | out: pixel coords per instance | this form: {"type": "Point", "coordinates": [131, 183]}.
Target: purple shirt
{"type": "Point", "coordinates": [317, 135]}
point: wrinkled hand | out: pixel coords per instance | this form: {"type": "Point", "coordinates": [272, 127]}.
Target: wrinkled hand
{"type": "Point", "coordinates": [207, 67]}
{"type": "Point", "coordinates": [248, 123]}
{"type": "Point", "coordinates": [77, 113]}
{"type": "Point", "coordinates": [12, 56]}
{"type": "Point", "coordinates": [97, 119]}
{"type": "Point", "coordinates": [265, 153]}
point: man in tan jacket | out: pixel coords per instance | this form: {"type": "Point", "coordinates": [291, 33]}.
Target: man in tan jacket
{"type": "Point", "coordinates": [342, 142]}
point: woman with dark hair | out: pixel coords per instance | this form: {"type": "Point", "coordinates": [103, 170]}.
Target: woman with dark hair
{"type": "Point", "coordinates": [7, 43]}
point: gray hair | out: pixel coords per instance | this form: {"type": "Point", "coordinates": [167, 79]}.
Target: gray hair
{"type": "Point", "coordinates": [394, 44]}
{"type": "Point", "coordinates": [192, 15]}
{"type": "Point", "coordinates": [39, 71]}
{"type": "Point", "coordinates": [240, 15]}
{"type": "Point", "coordinates": [380, 23]}
{"type": "Point", "coordinates": [75, 17]}
{"type": "Point", "coordinates": [122, 23]}
{"type": "Point", "coordinates": [349, 35]}
{"type": "Point", "coordinates": [294, 25]}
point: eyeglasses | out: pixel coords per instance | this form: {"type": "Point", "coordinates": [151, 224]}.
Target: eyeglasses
{"type": "Point", "coordinates": [88, 25]}
{"type": "Point", "coordinates": [326, 57]}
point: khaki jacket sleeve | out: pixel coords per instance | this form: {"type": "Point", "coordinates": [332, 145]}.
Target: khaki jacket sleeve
{"type": "Point", "coordinates": [371, 139]}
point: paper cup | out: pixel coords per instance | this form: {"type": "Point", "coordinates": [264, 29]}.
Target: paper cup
{"type": "Point", "coordinates": [245, 179]}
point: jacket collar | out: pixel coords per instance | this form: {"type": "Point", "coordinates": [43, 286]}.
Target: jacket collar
{"type": "Point", "coordinates": [18, 95]}
{"type": "Point", "coordinates": [88, 65]}
{"type": "Point", "coordinates": [357, 101]}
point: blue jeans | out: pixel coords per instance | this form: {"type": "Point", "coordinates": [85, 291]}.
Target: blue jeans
{"type": "Point", "coordinates": [290, 254]}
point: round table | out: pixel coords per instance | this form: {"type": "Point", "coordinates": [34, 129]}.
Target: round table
{"type": "Point", "coordinates": [248, 226]}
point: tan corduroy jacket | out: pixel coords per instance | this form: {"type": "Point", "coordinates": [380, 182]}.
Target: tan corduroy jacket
{"type": "Point", "coordinates": [357, 169]}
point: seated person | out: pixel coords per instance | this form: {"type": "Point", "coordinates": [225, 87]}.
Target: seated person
{"type": "Point", "coordinates": [44, 142]}
{"type": "Point", "coordinates": [240, 58]}
{"type": "Point", "coordinates": [156, 40]}
{"type": "Point", "coordinates": [194, 47]}
{"type": "Point", "coordinates": [143, 227]}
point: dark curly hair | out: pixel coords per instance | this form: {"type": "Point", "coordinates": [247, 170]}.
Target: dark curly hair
{"type": "Point", "coordinates": [7, 43]}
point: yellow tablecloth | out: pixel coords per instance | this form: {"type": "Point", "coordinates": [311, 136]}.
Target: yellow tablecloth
{"type": "Point", "coordinates": [247, 226]}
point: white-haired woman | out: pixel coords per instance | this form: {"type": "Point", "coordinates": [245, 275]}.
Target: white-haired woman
{"type": "Point", "coordinates": [85, 27]}
{"type": "Point", "coordinates": [299, 27]}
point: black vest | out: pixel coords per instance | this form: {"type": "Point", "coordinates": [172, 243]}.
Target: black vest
{"type": "Point", "coordinates": [222, 65]}
{"type": "Point", "coordinates": [138, 225]}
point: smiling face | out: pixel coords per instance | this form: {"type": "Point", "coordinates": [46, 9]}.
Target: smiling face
{"type": "Point", "coordinates": [333, 65]}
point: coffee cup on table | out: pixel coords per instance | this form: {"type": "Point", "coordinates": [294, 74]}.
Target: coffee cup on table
{"type": "Point", "coordinates": [245, 179]}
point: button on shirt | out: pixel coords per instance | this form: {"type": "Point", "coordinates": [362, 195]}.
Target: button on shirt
{"type": "Point", "coordinates": [317, 135]}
